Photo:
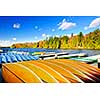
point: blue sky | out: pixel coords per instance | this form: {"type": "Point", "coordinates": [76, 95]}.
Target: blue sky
{"type": "Point", "coordinates": [15, 29]}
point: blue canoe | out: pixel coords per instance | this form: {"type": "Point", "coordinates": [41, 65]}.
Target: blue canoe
{"type": "Point", "coordinates": [13, 58]}
{"type": "Point", "coordinates": [18, 57]}
{"type": "Point", "coordinates": [22, 57]}
{"type": "Point", "coordinates": [8, 58]}
{"type": "Point", "coordinates": [3, 59]}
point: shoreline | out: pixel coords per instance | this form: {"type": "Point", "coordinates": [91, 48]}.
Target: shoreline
{"type": "Point", "coordinates": [58, 49]}
{"type": "Point", "coordinates": [54, 48]}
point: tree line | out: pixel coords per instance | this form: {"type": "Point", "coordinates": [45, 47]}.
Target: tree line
{"type": "Point", "coordinates": [79, 41]}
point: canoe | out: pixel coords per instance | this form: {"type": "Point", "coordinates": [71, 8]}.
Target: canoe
{"type": "Point", "coordinates": [67, 74]}
{"type": "Point", "coordinates": [18, 57]}
{"type": "Point", "coordinates": [13, 58]}
{"type": "Point", "coordinates": [38, 53]}
{"type": "Point", "coordinates": [27, 57]}
{"type": "Point", "coordinates": [50, 71]}
{"type": "Point", "coordinates": [71, 56]}
{"type": "Point", "coordinates": [8, 59]}
{"type": "Point", "coordinates": [3, 59]}
{"type": "Point", "coordinates": [87, 60]}
{"type": "Point", "coordinates": [22, 57]}
{"type": "Point", "coordinates": [13, 73]}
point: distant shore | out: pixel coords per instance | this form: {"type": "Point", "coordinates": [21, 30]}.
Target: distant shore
{"type": "Point", "coordinates": [65, 48]}
{"type": "Point", "coordinates": [56, 48]}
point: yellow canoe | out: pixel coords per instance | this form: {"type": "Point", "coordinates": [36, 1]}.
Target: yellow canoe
{"type": "Point", "coordinates": [50, 71]}
{"type": "Point", "coordinates": [15, 73]}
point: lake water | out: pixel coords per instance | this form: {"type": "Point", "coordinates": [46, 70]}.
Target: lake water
{"type": "Point", "coordinates": [88, 52]}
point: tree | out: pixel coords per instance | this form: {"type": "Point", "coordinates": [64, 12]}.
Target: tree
{"type": "Point", "coordinates": [80, 39]}
{"type": "Point", "coordinates": [72, 35]}
{"type": "Point", "coordinates": [50, 42]}
{"type": "Point", "coordinates": [56, 43]}
{"type": "Point", "coordinates": [64, 41]}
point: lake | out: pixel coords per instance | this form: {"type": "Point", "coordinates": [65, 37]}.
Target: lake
{"type": "Point", "coordinates": [88, 52]}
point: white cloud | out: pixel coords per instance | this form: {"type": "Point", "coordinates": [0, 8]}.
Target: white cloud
{"type": "Point", "coordinates": [64, 25]}
{"type": "Point", "coordinates": [36, 27]}
{"type": "Point", "coordinates": [14, 39]}
{"type": "Point", "coordinates": [43, 35]}
{"type": "Point", "coordinates": [36, 37]}
{"type": "Point", "coordinates": [69, 35]}
{"type": "Point", "coordinates": [65, 35]}
{"type": "Point", "coordinates": [5, 43]}
{"type": "Point", "coordinates": [86, 27]}
{"type": "Point", "coordinates": [57, 36]}
{"type": "Point", "coordinates": [40, 29]}
{"type": "Point", "coordinates": [46, 35]}
{"type": "Point", "coordinates": [16, 25]}
{"type": "Point", "coordinates": [93, 24]}
{"type": "Point", "coordinates": [53, 30]}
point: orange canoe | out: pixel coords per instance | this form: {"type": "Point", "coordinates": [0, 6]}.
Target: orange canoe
{"type": "Point", "coordinates": [50, 71]}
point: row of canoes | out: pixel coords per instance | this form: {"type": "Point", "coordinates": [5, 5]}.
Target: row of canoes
{"type": "Point", "coordinates": [90, 59]}
{"type": "Point", "coordinates": [12, 57]}
{"type": "Point", "coordinates": [50, 71]}
{"type": "Point", "coordinates": [61, 55]}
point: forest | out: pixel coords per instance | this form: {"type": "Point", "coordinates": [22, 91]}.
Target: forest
{"type": "Point", "coordinates": [79, 41]}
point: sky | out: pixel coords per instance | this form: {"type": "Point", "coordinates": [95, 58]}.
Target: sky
{"type": "Point", "coordinates": [20, 29]}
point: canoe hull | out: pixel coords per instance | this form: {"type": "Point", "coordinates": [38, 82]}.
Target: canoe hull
{"type": "Point", "coordinates": [50, 71]}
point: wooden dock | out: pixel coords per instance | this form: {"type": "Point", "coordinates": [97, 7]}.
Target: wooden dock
{"type": "Point", "coordinates": [50, 71]}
